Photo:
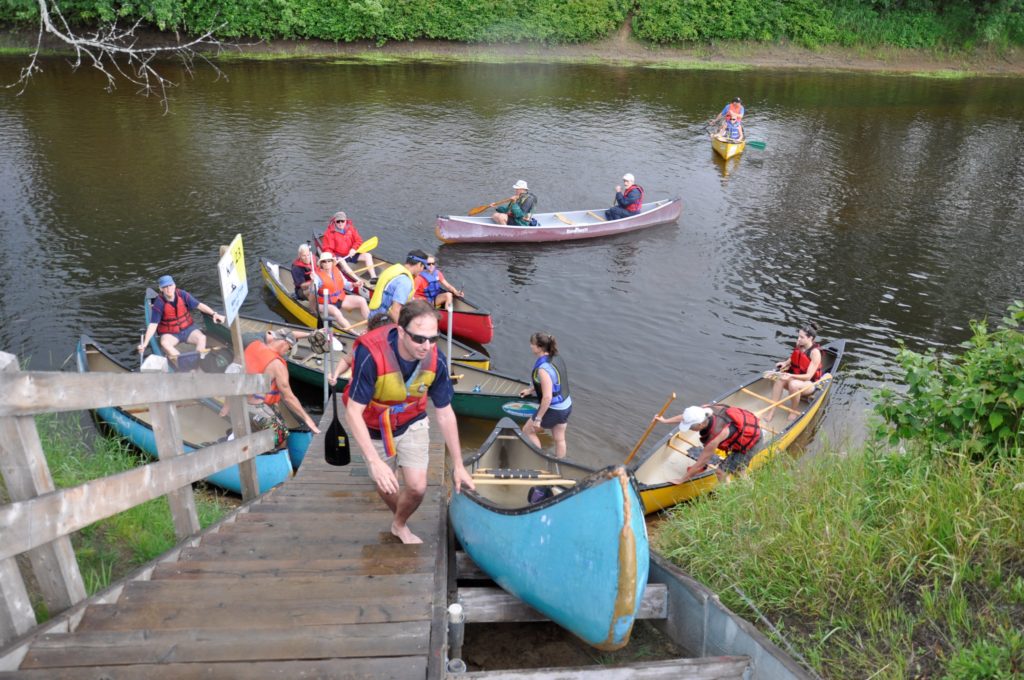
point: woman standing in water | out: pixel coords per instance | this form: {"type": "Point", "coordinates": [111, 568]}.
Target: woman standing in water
{"type": "Point", "coordinates": [551, 384]}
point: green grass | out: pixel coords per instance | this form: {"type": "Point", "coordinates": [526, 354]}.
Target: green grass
{"type": "Point", "coordinates": [111, 548]}
{"type": "Point", "coordinates": [872, 564]}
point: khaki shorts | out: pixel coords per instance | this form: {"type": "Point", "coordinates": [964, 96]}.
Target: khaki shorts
{"type": "Point", "coordinates": [412, 446]}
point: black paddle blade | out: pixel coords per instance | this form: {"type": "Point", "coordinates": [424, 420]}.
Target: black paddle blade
{"type": "Point", "coordinates": [336, 449]}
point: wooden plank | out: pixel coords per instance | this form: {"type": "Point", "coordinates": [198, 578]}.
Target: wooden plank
{"type": "Point", "coordinates": [708, 668]}
{"type": "Point", "coordinates": [312, 570]}
{"type": "Point", "coordinates": [388, 668]}
{"type": "Point", "coordinates": [169, 444]}
{"type": "Point", "coordinates": [29, 393]}
{"type": "Point", "coordinates": [406, 638]}
{"type": "Point", "coordinates": [16, 614]}
{"type": "Point", "coordinates": [751, 393]}
{"type": "Point", "coordinates": [466, 568]}
{"type": "Point", "coordinates": [214, 592]}
{"type": "Point", "coordinates": [60, 513]}
{"type": "Point", "coordinates": [493, 605]}
{"type": "Point", "coordinates": [368, 552]}
{"type": "Point", "coordinates": [253, 615]}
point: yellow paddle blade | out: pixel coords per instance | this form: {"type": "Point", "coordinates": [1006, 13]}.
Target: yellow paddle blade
{"type": "Point", "coordinates": [368, 245]}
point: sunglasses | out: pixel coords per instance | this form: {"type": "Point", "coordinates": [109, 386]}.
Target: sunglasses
{"type": "Point", "coordinates": [431, 264]}
{"type": "Point", "coordinates": [420, 339]}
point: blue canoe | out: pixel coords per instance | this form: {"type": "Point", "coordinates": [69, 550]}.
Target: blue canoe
{"type": "Point", "coordinates": [299, 436]}
{"type": "Point", "coordinates": [578, 554]}
{"type": "Point", "coordinates": [200, 422]}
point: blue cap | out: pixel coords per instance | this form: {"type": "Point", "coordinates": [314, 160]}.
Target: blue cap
{"type": "Point", "coordinates": [165, 280]}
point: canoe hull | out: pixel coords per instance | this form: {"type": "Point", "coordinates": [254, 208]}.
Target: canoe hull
{"type": "Point", "coordinates": [727, 149]}
{"type": "Point", "coordinates": [565, 226]}
{"type": "Point", "coordinates": [581, 557]}
{"type": "Point", "coordinates": [271, 468]}
{"type": "Point", "coordinates": [662, 459]}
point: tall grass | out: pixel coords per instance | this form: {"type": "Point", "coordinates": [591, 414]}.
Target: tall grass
{"type": "Point", "coordinates": [111, 548]}
{"type": "Point", "coordinates": [874, 564]}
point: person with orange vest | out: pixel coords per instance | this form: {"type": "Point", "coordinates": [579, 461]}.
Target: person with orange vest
{"type": "Point", "coordinates": [796, 374]}
{"type": "Point", "coordinates": [396, 370]}
{"type": "Point", "coordinates": [342, 239]}
{"type": "Point", "coordinates": [735, 430]}
{"type": "Point", "coordinates": [731, 116]}
{"type": "Point", "coordinates": [332, 291]}
{"type": "Point", "coordinates": [629, 199]}
{"type": "Point", "coordinates": [171, 317]}
{"type": "Point", "coordinates": [266, 356]}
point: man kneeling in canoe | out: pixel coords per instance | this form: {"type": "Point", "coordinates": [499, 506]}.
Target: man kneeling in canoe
{"type": "Point", "coordinates": [730, 428]}
{"type": "Point", "coordinates": [394, 369]}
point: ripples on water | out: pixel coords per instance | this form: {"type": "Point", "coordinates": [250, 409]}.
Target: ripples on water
{"type": "Point", "coordinates": [884, 208]}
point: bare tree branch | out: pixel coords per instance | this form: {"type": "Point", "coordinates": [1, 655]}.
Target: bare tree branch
{"type": "Point", "coordinates": [116, 53]}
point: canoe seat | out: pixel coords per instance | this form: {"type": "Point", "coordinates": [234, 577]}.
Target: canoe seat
{"type": "Point", "coordinates": [512, 473]}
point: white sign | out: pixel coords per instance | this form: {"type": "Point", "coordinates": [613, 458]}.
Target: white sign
{"type": "Point", "coordinates": [233, 284]}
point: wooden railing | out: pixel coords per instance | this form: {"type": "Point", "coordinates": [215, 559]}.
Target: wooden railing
{"type": "Point", "coordinates": [40, 518]}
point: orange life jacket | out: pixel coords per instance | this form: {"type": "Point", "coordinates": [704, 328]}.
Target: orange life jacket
{"type": "Point", "coordinates": [800, 361]}
{"type": "Point", "coordinates": [175, 317]}
{"type": "Point", "coordinates": [332, 285]}
{"type": "Point", "coordinates": [745, 432]}
{"type": "Point", "coordinates": [257, 357]}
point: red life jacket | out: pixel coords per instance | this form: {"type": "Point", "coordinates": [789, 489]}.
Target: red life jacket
{"type": "Point", "coordinates": [257, 357]}
{"type": "Point", "coordinates": [175, 317]}
{"type": "Point", "coordinates": [306, 267]}
{"type": "Point", "coordinates": [799, 361]}
{"type": "Point", "coordinates": [394, 399]}
{"type": "Point", "coordinates": [638, 203]}
{"type": "Point", "coordinates": [744, 430]}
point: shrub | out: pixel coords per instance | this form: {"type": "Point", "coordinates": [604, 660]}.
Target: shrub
{"type": "Point", "coordinates": [974, 402]}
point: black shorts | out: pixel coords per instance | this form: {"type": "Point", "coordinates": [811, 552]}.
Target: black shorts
{"type": "Point", "coordinates": [553, 417]}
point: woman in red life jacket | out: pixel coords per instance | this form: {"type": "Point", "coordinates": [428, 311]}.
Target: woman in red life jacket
{"type": "Point", "coordinates": [799, 371]}
{"type": "Point", "coordinates": [332, 289]}
{"type": "Point", "coordinates": [433, 287]}
{"type": "Point", "coordinates": [730, 428]}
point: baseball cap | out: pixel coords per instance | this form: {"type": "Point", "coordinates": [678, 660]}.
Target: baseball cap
{"type": "Point", "coordinates": [165, 280]}
{"type": "Point", "coordinates": [628, 177]}
{"type": "Point", "coordinates": [340, 216]}
{"type": "Point", "coordinates": [693, 415]}
{"type": "Point", "coordinates": [285, 334]}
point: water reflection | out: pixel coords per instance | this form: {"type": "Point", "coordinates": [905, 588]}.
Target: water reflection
{"type": "Point", "coordinates": [884, 208]}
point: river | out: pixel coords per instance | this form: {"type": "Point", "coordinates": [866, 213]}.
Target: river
{"type": "Point", "coordinates": [885, 208]}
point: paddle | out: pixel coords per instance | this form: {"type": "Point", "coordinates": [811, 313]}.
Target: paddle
{"type": "Point", "coordinates": [649, 428]}
{"type": "Point", "coordinates": [480, 208]}
{"type": "Point", "coordinates": [336, 448]}
{"type": "Point", "coordinates": [142, 350]}
{"type": "Point", "coordinates": [368, 245]}
{"type": "Point", "coordinates": [755, 144]}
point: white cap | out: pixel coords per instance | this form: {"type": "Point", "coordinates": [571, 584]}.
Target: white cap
{"type": "Point", "coordinates": [521, 184]}
{"type": "Point", "coordinates": [693, 415]}
{"type": "Point", "coordinates": [325, 256]}
{"type": "Point", "coordinates": [628, 177]}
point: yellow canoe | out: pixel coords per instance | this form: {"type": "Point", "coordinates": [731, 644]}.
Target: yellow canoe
{"type": "Point", "coordinates": [727, 149]}
{"type": "Point", "coordinates": [279, 279]}
{"type": "Point", "coordinates": [674, 454]}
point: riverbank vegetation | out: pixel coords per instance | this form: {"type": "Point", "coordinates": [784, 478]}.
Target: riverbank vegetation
{"type": "Point", "coordinates": [923, 24]}
{"type": "Point", "coordinates": [904, 559]}
{"type": "Point", "coordinates": [112, 548]}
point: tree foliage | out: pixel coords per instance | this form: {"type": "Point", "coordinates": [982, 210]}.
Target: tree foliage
{"type": "Point", "coordinates": [974, 402]}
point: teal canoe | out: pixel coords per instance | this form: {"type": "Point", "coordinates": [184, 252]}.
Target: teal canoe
{"type": "Point", "coordinates": [200, 422]}
{"type": "Point", "coordinates": [578, 553]}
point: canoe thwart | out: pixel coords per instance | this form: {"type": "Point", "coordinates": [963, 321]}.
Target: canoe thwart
{"type": "Point", "coordinates": [545, 481]}
{"type": "Point", "coordinates": [752, 393]}
{"type": "Point", "coordinates": [563, 218]}
{"type": "Point", "coordinates": [512, 473]}
{"type": "Point", "coordinates": [599, 218]}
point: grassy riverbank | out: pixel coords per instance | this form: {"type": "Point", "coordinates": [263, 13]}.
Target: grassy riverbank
{"type": "Point", "coordinates": [112, 548]}
{"type": "Point", "coordinates": [902, 559]}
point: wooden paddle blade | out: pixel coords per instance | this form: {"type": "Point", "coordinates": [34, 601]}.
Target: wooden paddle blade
{"type": "Point", "coordinates": [479, 209]}
{"type": "Point", "coordinates": [756, 145]}
{"type": "Point", "coordinates": [368, 245]}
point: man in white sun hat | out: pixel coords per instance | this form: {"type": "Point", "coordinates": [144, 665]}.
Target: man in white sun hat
{"type": "Point", "coordinates": [519, 210]}
{"type": "Point", "coordinates": [735, 430]}
{"type": "Point", "coordinates": [629, 199]}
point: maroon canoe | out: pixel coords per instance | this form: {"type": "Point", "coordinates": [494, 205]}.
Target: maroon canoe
{"type": "Point", "coordinates": [558, 226]}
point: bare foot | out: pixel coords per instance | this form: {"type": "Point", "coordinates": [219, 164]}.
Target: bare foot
{"type": "Point", "coordinates": [405, 535]}
{"type": "Point", "coordinates": [792, 417]}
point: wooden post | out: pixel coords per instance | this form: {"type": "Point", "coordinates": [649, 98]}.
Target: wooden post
{"type": "Point", "coordinates": [169, 445]}
{"type": "Point", "coordinates": [27, 475]}
{"type": "Point", "coordinates": [247, 475]}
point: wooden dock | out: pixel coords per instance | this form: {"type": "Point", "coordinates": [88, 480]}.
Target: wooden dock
{"type": "Point", "coordinates": [306, 581]}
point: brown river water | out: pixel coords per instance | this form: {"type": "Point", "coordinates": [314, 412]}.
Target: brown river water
{"type": "Point", "coordinates": [885, 208]}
